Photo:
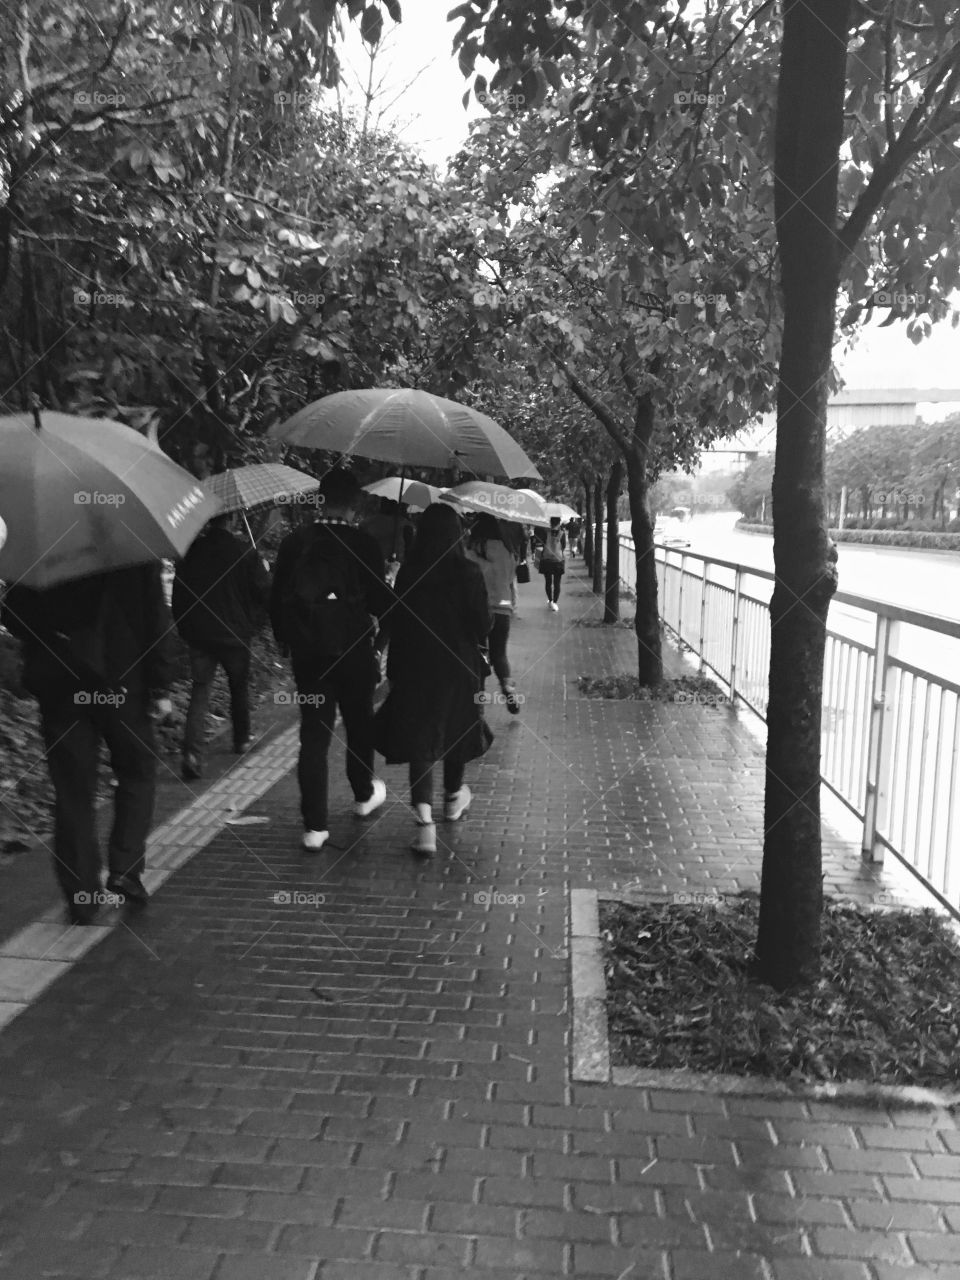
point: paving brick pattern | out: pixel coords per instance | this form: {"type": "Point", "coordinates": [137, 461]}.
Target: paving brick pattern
{"type": "Point", "coordinates": [357, 1065]}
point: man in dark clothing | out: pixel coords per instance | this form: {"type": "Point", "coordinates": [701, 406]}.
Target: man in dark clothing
{"type": "Point", "coordinates": [98, 657]}
{"type": "Point", "coordinates": [220, 598]}
{"type": "Point", "coordinates": [328, 585]}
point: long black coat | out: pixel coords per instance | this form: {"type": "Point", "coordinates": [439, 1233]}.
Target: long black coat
{"type": "Point", "coordinates": [434, 665]}
{"type": "Point", "coordinates": [221, 591]}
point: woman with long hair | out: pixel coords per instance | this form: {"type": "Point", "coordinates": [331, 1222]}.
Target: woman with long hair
{"type": "Point", "coordinates": [488, 550]}
{"type": "Point", "coordinates": [434, 710]}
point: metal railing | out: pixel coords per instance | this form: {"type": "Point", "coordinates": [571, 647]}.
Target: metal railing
{"type": "Point", "coordinates": [890, 742]}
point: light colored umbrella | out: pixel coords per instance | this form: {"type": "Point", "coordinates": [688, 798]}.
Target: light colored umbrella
{"type": "Point", "coordinates": [562, 510]}
{"type": "Point", "coordinates": [514, 505]}
{"type": "Point", "coordinates": [416, 495]}
{"type": "Point", "coordinates": [83, 495]}
{"type": "Point", "coordinates": [409, 428]}
{"type": "Point", "coordinates": [260, 484]}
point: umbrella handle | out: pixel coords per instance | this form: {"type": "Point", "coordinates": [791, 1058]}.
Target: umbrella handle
{"type": "Point", "coordinates": [253, 541]}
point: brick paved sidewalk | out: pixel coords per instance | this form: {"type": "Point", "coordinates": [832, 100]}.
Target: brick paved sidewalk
{"type": "Point", "coordinates": [357, 1066]}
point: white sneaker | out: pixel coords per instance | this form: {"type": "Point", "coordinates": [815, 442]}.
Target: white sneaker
{"type": "Point", "coordinates": [425, 840]}
{"type": "Point", "coordinates": [554, 606]}
{"type": "Point", "coordinates": [456, 805]}
{"type": "Point", "coordinates": [313, 841]}
{"type": "Point", "coordinates": [364, 807]}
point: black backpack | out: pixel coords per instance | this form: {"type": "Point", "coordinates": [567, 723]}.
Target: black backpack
{"type": "Point", "coordinates": [324, 612]}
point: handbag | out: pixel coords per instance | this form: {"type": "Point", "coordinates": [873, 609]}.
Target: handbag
{"type": "Point", "coordinates": [523, 572]}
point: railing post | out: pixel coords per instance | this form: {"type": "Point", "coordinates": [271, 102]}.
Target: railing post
{"type": "Point", "coordinates": [703, 614]}
{"type": "Point", "coordinates": [683, 559]}
{"type": "Point", "coordinates": [735, 635]}
{"type": "Point", "coordinates": [875, 800]}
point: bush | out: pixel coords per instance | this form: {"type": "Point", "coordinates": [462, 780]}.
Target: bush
{"type": "Point", "coordinates": [954, 525]}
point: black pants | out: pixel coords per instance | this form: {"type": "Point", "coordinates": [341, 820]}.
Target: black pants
{"type": "Point", "coordinates": [234, 657]}
{"type": "Point", "coordinates": [551, 582]}
{"type": "Point", "coordinates": [421, 779]}
{"type": "Point", "coordinates": [72, 735]}
{"type": "Point", "coordinates": [498, 647]}
{"type": "Point", "coordinates": [322, 686]}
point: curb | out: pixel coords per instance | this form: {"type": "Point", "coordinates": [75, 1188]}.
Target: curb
{"type": "Point", "coordinates": [590, 1054]}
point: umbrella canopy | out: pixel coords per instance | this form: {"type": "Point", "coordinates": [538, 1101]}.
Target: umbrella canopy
{"type": "Point", "coordinates": [562, 510]}
{"type": "Point", "coordinates": [416, 495]}
{"type": "Point", "coordinates": [409, 428]}
{"type": "Point", "coordinates": [514, 505]}
{"type": "Point", "coordinates": [261, 484]}
{"type": "Point", "coordinates": [83, 495]}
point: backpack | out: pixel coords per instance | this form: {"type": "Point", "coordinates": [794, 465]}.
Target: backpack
{"type": "Point", "coordinates": [554, 545]}
{"type": "Point", "coordinates": [324, 612]}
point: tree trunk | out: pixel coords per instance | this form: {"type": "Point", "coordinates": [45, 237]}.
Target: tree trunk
{"type": "Point", "coordinates": [588, 524]}
{"type": "Point", "coordinates": [597, 567]}
{"type": "Point", "coordinates": [647, 619]}
{"type": "Point", "coordinates": [809, 133]}
{"type": "Point", "coordinates": [611, 586]}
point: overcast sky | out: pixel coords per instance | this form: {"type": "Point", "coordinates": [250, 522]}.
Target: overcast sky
{"type": "Point", "coordinates": [432, 119]}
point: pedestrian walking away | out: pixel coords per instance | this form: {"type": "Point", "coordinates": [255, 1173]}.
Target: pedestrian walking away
{"type": "Point", "coordinates": [328, 588]}
{"type": "Point", "coordinates": [434, 710]}
{"type": "Point", "coordinates": [221, 595]}
{"type": "Point", "coordinates": [98, 656]}
{"type": "Point", "coordinates": [552, 561]}
{"type": "Point", "coordinates": [498, 563]}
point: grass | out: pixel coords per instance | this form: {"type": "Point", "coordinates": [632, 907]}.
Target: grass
{"type": "Point", "coordinates": [680, 995]}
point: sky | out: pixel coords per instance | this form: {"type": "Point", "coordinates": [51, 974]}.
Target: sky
{"type": "Point", "coordinates": [432, 119]}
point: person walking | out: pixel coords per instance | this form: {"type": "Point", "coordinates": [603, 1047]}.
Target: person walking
{"type": "Point", "coordinates": [328, 587]}
{"type": "Point", "coordinates": [221, 593]}
{"type": "Point", "coordinates": [434, 710]}
{"type": "Point", "coordinates": [497, 562]}
{"type": "Point", "coordinates": [552, 561]}
{"type": "Point", "coordinates": [98, 656]}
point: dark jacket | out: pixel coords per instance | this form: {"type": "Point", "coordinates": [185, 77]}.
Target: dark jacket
{"type": "Point", "coordinates": [356, 546]}
{"type": "Point", "coordinates": [100, 634]}
{"type": "Point", "coordinates": [221, 591]}
{"type": "Point", "coordinates": [434, 665]}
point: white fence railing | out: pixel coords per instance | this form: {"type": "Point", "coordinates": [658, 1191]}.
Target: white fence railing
{"type": "Point", "coordinates": [890, 745]}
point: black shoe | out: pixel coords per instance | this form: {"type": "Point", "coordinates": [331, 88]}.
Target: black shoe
{"type": "Point", "coordinates": [130, 887]}
{"type": "Point", "coordinates": [241, 748]}
{"type": "Point", "coordinates": [191, 767]}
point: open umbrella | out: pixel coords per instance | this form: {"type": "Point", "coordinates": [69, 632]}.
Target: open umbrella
{"type": "Point", "coordinates": [498, 500]}
{"type": "Point", "coordinates": [258, 485]}
{"type": "Point", "coordinates": [82, 495]}
{"type": "Point", "coordinates": [409, 428]}
{"type": "Point", "coordinates": [561, 509]}
{"type": "Point", "coordinates": [415, 494]}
